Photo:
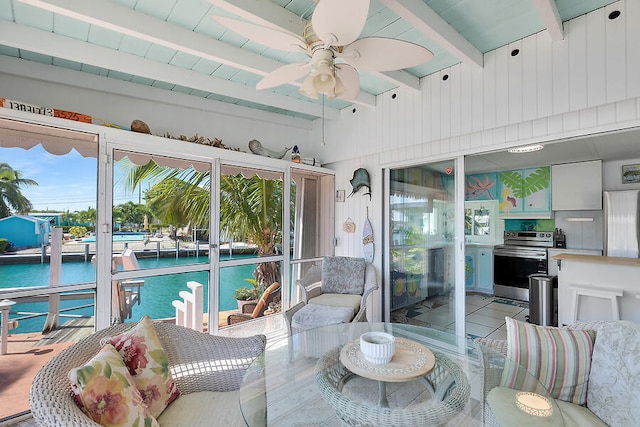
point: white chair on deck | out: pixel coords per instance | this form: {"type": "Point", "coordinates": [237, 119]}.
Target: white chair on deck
{"type": "Point", "coordinates": [125, 293]}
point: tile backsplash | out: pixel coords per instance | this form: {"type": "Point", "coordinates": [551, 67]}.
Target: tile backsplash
{"type": "Point", "coordinates": [530, 224]}
{"type": "Point", "coordinates": [584, 229]}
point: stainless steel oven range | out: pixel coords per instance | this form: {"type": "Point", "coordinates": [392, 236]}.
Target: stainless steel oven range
{"type": "Point", "coordinates": [523, 253]}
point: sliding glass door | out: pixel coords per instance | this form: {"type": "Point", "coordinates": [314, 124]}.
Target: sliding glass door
{"type": "Point", "coordinates": [422, 222]}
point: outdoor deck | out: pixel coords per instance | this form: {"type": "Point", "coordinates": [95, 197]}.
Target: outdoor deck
{"type": "Point", "coordinates": [27, 353]}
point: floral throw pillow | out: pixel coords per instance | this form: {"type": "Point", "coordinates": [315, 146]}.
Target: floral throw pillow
{"type": "Point", "coordinates": [107, 393]}
{"type": "Point", "coordinates": [147, 362]}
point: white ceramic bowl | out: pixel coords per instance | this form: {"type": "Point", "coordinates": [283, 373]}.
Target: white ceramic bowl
{"type": "Point", "coordinates": [377, 347]}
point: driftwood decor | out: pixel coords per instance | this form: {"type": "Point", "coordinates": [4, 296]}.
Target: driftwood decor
{"type": "Point", "coordinates": [215, 142]}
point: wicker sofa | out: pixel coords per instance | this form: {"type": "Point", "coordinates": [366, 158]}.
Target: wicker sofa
{"type": "Point", "coordinates": [613, 387]}
{"type": "Point", "coordinates": [207, 369]}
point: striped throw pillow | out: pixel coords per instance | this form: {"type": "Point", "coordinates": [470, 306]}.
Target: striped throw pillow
{"type": "Point", "coordinates": [559, 358]}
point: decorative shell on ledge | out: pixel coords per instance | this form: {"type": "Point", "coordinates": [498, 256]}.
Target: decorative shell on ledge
{"type": "Point", "coordinates": [140, 127]}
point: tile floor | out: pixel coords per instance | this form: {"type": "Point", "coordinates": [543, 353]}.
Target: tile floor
{"type": "Point", "coordinates": [484, 314]}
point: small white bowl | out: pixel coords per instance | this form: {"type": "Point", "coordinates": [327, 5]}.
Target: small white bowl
{"type": "Point", "coordinates": [378, 347]}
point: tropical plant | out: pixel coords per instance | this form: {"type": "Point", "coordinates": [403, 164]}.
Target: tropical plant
{"type": "Point", "coordinates": [250, 208]}
{"type": "Point", "coordinates": [130, 213]}
{"type": "Point", "coordinates": [249, 293]}
{"type": "Point", "coordinates": [11, 197]}
{"type": "Point", "coordinates": [77, 231]}
{"type": "Point", "coordinates": [86, 217]}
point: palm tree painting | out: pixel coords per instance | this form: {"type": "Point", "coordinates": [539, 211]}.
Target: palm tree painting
{"type": "Point", "coordinates": [530, 185]}
{"type": "Point", "coordinates": [11, 197]}
{"type": "Point", "coordinates": [250, 207]}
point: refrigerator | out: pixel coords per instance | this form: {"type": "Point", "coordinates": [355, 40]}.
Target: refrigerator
{"type": "Point", "coordinates": [622, 223]}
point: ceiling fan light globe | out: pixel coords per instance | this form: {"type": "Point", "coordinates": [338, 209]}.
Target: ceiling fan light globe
{"type": "Point", "coordinates": [308, 88]}
{"type": "Point", "coordinates": [323, 80]}
{"type": "Point", "coordinates": [338, 90]}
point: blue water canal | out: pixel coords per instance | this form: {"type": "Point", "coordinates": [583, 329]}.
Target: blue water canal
{"type": "Point", "coordinates": [156, 294]}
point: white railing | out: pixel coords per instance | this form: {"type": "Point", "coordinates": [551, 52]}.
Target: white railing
{"type": "Point", "coordinates": [190, 311]}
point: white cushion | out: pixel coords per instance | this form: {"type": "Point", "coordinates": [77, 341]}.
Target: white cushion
{"type": "Point", "coordinates": [615, 374]}
{"type": "Point", "coordinates": [205, 408]}
{"type": "Point", "coordinates": [578, 416]}
{"type": "Point", "coordinates": [501, 402]}
{"type": "Point", "coordinates": [338, 300]}
{"type": "Point", "coordinates": [314, 316]}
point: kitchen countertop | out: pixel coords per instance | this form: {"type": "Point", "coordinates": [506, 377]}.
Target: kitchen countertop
{"type": "Point", "coordinates": [634, 262]}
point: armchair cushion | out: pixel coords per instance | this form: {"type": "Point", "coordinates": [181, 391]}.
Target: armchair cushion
{"type": "Point", "coordinates": [107, 392]}
{"type": "Point", "coordinates": [615, 375]}
{"type": "Point", "coordinates": [148, 365]}
{"type": "Point", "coordinates": [343, 275]}
{"type": "Point", "coordinates": [313, 316]}
{"type": "Point", "coordinates": [339, 300]}
{"type": "Point", "coordinates": [560, 358]}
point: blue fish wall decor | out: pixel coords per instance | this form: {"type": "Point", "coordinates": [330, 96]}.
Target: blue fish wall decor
{"type": "Point", "coordinates": [360, 179]}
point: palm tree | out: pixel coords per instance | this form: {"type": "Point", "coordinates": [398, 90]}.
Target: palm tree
{"type": "Point", "coordinates": [86, 217]}
{"type": "Point", "coordinates": [11, 198]}
{"type": "Point", "coordinates": [250, 208]}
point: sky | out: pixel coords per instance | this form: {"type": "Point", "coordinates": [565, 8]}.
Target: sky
{"type": "Point", "coordinates": [66, 182]}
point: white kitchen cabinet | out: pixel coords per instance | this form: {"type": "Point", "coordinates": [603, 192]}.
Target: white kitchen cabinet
{"type": "Point", "coordinates": [576, 186]}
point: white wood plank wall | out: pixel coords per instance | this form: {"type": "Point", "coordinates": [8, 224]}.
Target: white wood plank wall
{"type": "Point", "coordinates": [588, 82]}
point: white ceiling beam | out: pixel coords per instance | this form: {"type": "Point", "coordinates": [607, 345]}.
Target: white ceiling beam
{"type": "Point", "coordinates": [126, 21]}
{"type": "Point", "coordinates": [63, 76]}
{"type": "Point", "coordinates": [423, 18]}
{"type": "Point", "coordinates": [31, 39]}
{"type": "Point", "coordinates": [401, 78]}
{"type": "Point", "coordinates": [550, 16]}
{"type": "Point", "coordinates": [264, 12]}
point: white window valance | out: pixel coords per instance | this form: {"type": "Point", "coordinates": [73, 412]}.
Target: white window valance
{"type": "Point", "coordinates": [54, 140]}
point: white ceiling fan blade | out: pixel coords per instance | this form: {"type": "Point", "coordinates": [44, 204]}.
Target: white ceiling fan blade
{"type": "Point", "coordinates": [285, 74]}
{"type": "Point", "coordinates": [381, 54]}
{"type": "Point", "coordinates": [339, 22]}
{"type": "Point", "coordinates": [350, 80]}
{"type": "Point", "coordinates": [266, 36]}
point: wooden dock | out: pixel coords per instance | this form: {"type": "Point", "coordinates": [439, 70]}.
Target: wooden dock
{"type": "Point", "coordinates": [70, 331]}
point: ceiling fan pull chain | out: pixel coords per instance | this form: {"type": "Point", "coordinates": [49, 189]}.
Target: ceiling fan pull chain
{"type": "Point", "coordinates": [323, 143]}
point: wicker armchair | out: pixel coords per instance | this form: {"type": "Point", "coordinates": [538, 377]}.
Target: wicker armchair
{"type": "Point", "coordinates": [198, 362]}
{"type": "Point", "coordinates": [310, 287]}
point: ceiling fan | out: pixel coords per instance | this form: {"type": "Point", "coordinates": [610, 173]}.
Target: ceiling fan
{"type": "Point", "coordinates": [331, 41]}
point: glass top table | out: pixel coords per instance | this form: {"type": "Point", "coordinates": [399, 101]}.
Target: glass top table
{"type": "Point", "coordinates": [300, 380]}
